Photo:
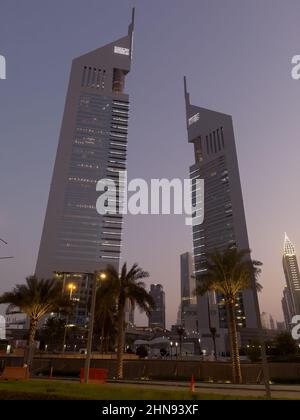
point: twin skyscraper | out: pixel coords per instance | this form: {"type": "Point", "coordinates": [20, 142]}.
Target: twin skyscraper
{"type": "Point", "coordinates": [76, 240]}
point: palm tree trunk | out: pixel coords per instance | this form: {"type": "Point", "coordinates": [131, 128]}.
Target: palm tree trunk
{"type": "Point", "coordinates": [106, 342]}
{"type": "Point", "coordinates": [120, 341]}
{"type": "Point", "coordinates": [32, 331]}
{"type": "Point", "coordinates": [214, 334]}
{"type": "Point", "coordinates": [31, 337]}
{"type": "Point", "coordinates": [102, 339]}
{"type": "Point", "coordinates": [234, 344]}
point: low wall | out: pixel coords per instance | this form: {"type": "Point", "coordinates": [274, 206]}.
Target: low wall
{"type": "Point", "coordinates": [159, 369]}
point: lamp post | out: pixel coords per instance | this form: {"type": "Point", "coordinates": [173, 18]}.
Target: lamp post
{"type": "Point", "coordinates": [71, 287]}
{"type": "Point", "coordinates": [265, 366]}
{"type": "Point", "coordinates": [176, 344]}
{"type": "Point", "coordinates": [102, 276]}
{"type": "Point", "coordinates": [171, 346]}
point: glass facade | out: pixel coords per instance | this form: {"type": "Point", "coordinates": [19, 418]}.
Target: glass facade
{"type": "Point", "coordinates": [76, 239]}
{"type": "Point", "coordinates": [212, 135]}
{"type": "Point", "coordinates": [218, 229]}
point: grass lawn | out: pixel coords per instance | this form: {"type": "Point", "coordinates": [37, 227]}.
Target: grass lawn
{"type": "Point", "coordinates": [42, 390]}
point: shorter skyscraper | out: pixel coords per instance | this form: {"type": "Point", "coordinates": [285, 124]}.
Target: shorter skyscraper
{"type": "Point", "coordinates": [188, 307]}
{"type": "Point", "coordinates": [215, 161]}
{"type": "Point", "coordinates": [157, 318]}
{"type": "Point", "coordinates": [287, 307]}
{"type": "Point", "coordinates": [291, 294]}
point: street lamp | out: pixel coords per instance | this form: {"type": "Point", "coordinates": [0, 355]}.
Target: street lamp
{"type": "Point", "coordinates": [171, 345]}
{"type": "Point", "coordinates": [102, 276]}
{"type": "Point", "coordinates": [72, 288]}
{"type": "Point", "coordinates": [176, 344]}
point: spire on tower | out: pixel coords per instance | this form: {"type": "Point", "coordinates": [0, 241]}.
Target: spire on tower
{"type": "Point", "coordinates": [186, 93]}
{"type": "Point", "coordinates": [288, 248]}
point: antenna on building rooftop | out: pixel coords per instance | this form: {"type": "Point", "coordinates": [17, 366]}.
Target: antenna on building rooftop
{"type": "Point", "coordinates": [186, 93]}
{"type": "Point", "coordinates": [131, 26]}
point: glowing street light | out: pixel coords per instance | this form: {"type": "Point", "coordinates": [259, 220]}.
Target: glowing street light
{"type": "Point", "coordinates": [103, 276]}
{"type": "Point", "coordinates": [72, 288]}
{"type": "Point", "coordinates": [176, 345]}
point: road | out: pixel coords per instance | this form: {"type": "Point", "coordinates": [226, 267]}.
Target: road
{"type": "Point", "coordinates": [278, 391]}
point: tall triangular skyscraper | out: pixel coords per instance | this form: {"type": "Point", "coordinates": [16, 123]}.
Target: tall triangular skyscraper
{"type": "Point", "coordinates": [76, 240]}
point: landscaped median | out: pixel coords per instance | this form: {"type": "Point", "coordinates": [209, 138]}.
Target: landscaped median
{"type": "Point", "coordinates": [45, 390]}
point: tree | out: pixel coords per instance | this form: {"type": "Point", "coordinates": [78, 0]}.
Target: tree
{"type": "Point", "coordinates": [142, 352]}
{"type": "Point", "coordinates": [126, 286]}
{"type": "Point", "coordinates": [163, 352]}
{"type": "Point", "coordinates": [53, 331]}
{"type": "Point", "coordinates": [285, 344]}
{"type": "Point", "coordinates": [37, 298]}
{"type": "Point", "coordinates": [229, 273]}
{"type": "Point", "coordinates": [253, 351]}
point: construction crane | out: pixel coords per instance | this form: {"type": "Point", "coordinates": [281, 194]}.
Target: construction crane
{"type": "Point", "coordinates": [5, 243]}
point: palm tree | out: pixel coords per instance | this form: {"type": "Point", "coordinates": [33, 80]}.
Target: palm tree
{"type": "Point", "coordinates": [229, 273]}
{"type": "Point", "coordinates": [53, 331]}
{"type": "Point", "coordinates": [213, 330]}
{"type": "Point", "coordinates": [126, 286]}
{"type": "Point", "coordinates": [36, 299]}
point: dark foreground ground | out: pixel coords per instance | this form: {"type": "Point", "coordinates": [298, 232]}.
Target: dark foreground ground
{"type": "Point", "coordinates": [64, 390]}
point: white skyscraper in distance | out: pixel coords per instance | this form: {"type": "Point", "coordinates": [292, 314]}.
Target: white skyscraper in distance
{"type": "Point", "coordinates": [291, 294]}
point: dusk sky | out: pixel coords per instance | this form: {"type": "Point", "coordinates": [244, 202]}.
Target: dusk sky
{"type": "Point", "coordinates": [236, 55]}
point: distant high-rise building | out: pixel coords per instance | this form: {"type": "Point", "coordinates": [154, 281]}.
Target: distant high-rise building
{"type": "Point", "coordinates": [129, 313]}
{"type": "Point", "coordinates": [267, 322]}
{"type": "Point", "coordinates": [15, 319]}
{"type": "Point", "coordinates": [76, 240]}
{"type": "Point", "coordinates": [188, 282]}
{"type": "Point", "coordinates": [188, 308]}
{"type": "Point", "coordinates": [273, 323]}
{"type": "Point", "coordinates": [291, 294]}
{"type": "Point", "coordinates": [287, 307]}
{"type": "Point", "coordinates": [281, 326]}
{"type": "Point", "coordinates": [224, 224]}
{"type": "Point", "coordinates": [157, 317]}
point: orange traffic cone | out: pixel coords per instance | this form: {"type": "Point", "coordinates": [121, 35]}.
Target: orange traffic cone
{"type": "Point", "coordinates": [193, 384]}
